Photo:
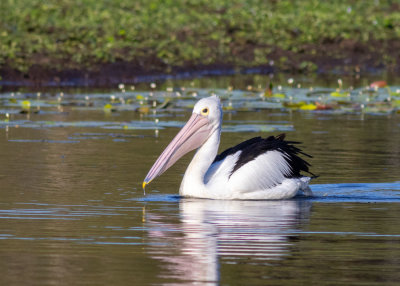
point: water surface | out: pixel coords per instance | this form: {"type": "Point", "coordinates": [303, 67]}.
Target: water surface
{"type": "Point", "coordinates": [72, 211]}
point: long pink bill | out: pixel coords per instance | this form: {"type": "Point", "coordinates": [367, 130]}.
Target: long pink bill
{"type": "Point", "coordinates": [192, 136]}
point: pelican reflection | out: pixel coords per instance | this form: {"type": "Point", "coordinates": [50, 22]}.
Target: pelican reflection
{"type": "Point", "coordinates": [190, 248]}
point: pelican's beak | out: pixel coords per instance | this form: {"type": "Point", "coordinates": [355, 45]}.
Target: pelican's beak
{"type": "Point", "coordinates": [195, 132]}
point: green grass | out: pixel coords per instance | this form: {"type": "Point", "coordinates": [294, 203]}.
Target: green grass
{"type": "Point", "coordinates": [156, 34]}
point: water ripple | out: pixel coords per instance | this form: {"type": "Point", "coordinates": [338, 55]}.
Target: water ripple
{"type": "Point", "coordinates": [357, 192]}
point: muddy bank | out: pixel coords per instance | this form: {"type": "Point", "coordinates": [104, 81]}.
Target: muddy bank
{"type": "Point", "coordinates": [344, 57]}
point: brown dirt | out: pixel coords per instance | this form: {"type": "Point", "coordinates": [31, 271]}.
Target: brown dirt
{"type": "Point", "coordinates": [345, 56]}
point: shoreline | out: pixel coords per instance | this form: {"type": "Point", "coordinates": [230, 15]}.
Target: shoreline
{"type": "Point", "coordinates": [108, 75]}
{"type": "Point", "coordinates": [98, 44]}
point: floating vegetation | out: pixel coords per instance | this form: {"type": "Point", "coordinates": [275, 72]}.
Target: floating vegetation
{"type": "Point", "coordinates": [158, 109]}
{"type": "Point", "coordinates": [236, 100]}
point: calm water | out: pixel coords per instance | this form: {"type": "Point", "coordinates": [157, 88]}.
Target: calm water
{"type": "Point", "coordinates": [72, 211]}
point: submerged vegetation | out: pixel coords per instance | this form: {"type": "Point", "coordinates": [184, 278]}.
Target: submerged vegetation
{"type": "Point", "coordinates": [161, 36]}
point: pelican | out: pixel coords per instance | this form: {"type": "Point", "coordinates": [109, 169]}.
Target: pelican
{"type": "Point", "coordinates": [256, 169]}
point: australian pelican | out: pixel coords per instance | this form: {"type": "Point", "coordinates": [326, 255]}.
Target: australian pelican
{"type": "Point", "coordinates": [255, 169]}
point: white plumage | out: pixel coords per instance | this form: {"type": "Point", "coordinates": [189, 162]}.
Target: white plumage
{"type": "Point", "coordinates": [253, 170]}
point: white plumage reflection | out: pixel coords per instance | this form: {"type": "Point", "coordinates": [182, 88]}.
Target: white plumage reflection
{"type": "Point", "coordinates": [208, 234]}
{"type": "Point", "coordinates": [256, 169]}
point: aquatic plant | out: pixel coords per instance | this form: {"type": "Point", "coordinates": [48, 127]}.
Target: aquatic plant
{"type": "Point", "coordinates": [159, 35]}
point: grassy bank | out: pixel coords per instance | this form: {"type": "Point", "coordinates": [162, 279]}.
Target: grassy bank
{"type": "Point", "coordinates": [160, 35]}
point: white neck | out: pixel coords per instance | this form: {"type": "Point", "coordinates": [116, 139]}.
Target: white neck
{"type": "Point", "coordinates": [193, 180]}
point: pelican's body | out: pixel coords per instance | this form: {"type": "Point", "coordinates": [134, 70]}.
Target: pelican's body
{"type": "Point", "coordinates": [253, 170]}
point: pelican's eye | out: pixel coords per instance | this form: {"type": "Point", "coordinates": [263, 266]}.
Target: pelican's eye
{"type": "Point", "coordinates": [205, 111]}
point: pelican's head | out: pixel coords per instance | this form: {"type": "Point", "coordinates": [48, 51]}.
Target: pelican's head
{"type": "Point", "coordinates": [210, 108]}
{"type": "Point", "coordinates": [205, 120]}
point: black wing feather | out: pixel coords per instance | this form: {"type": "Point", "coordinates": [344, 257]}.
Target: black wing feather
{"type": "Point", "coordinates": [257, 146]}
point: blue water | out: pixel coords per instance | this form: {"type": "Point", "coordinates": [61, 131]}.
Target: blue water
{"type": "Point", "coordinates": [324, 193]}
